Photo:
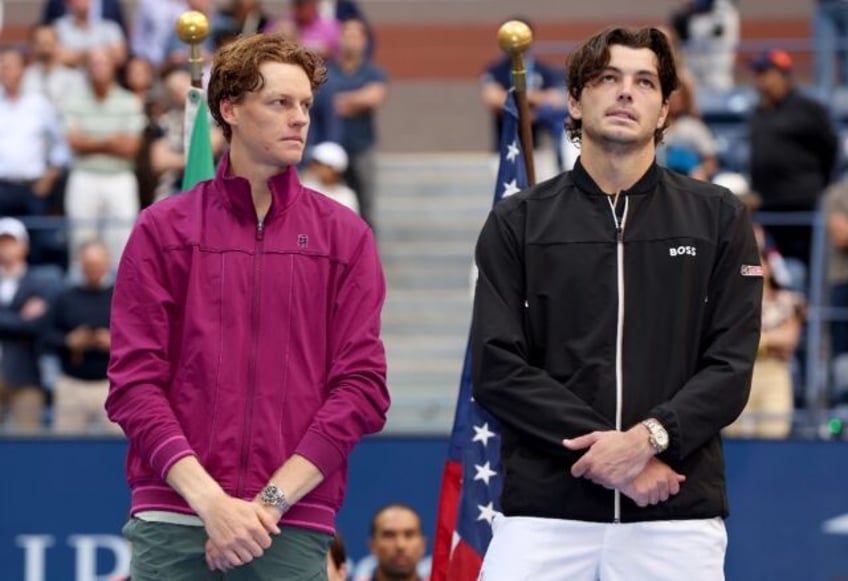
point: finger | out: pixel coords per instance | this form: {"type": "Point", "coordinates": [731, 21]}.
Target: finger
{"type": "Point", "coordinates": [673, 486]}
{"type": "Point", "coordinates": [580, 468]}
{"type": "Point", "coordinates": [269, 523]}
{"type": "Point", "coordinates": [248, 549]}
{"type": "Point", "coordinates": [231, 557]}
{"type": "Point", "coordinates": [581, 442]}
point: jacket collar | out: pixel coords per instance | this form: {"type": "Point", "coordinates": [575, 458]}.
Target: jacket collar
{"type": "Point", "coordinates": [235, 190]}
{"type": "Point", "coordinates": [644, 185]}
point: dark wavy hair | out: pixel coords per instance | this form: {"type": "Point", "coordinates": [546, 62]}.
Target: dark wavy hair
{"type": "Point", "coordinates": [593, 56]}
{"type": "Point", "coordinates": [235, 70]}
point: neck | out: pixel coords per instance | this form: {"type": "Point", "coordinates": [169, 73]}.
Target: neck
{"type": "Point", "coordinates": [257, 175]}
{"type": "Point", "coordinates": [12, 93]}
{"type": "Point", "coordinates": [101, 90]}
{"type": "Point", "coordinates": [13, 269]}
{"type": "Point", "coordinates": [615, 169]}
{"type": "Point", "coordinates": [381, 576]}
{"type": "Point", "coordinates": [351, 61]}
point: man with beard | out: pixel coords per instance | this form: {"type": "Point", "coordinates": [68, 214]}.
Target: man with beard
{"type": "Point", "coordinates": [397, 542]}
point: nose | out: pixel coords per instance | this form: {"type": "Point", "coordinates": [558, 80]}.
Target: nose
{"type": "Point", "coordinates": [300, 117]}
{"type": "Point", "coordinates": [625, 92]}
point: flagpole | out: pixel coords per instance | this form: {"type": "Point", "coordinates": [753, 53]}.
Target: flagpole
{"type": "Point", "coordinates": [193, 28]}
{"type": "Point", "coordinates": [515, 37]}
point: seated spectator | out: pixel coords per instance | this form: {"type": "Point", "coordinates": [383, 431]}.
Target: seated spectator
{"type": "Point", "coordinates": [836, 210]}
{"type": "Point", "coordinates": [397, 544]}
{"type": "Point", "coordinates": [25, 294]}
{"type": "Point", "coordinates": [78, 34]}
{"type": "Point", "coordinates": [153, 26]}
{"type": "Point", "coordinates": [325, 174]}
{"type": "Point", "coordinates": [46, 74]}
{"type": "Point", "coordinates": [318, 33]}
{"type": "Point", "coordinates": [768, 413]}
{"type": "Point", "coordinates": [337, 560]}
{"type": "Point", "coordinates": [545, 96]}
{"type": "Point", "coordinates": [688, 146]}
{"type": "Point", "coordinates": [104, 125]}
{"type": "Point", "coordinates": [709, 32]}
{"type": "Point", "coordinates": [77, 330]}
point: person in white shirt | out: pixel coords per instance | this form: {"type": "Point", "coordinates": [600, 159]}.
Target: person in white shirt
{"type": "Point", "coordinates": [78, 34]}
{"type": "Point", "coordinates": [46, 74]}
{"type": "Point", "coordinates": [153, 26]}
{"type": "Point", "coordinates": [33, 150]}
{"type": "Point", "coordinates": [327, 164]}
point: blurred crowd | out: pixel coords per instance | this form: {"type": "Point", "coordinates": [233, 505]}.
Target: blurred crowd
{"type": "Point", "coordinates": [92, 108]}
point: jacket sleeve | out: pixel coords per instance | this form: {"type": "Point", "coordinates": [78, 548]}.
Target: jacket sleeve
{"type": "Point", "coordinates": [358, 398]}
{"type": "Point", "coordinates": [717, 393]}
{"type": "Point", "coordinates": [140, 366]}
{"type": "Point", "coordinates": [527, 399]}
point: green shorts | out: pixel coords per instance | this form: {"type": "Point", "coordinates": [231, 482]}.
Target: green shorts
{"type": "Point", "coordinates": [162, 551]}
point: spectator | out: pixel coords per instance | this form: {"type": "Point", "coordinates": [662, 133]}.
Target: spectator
{"type": "Point", "coordinates": [77, 34]}
{"type": "Point", "coordinates": [318, 33]}
{"type": "Point", "coordinates": [793, 149]}
{"type": "Point", "coordinates": [139, 77]}
{"type": "Point", "coordinates": [240, 17]}
{"type": "Point", "coordinates": [836, 208]}
{"type": "Point", "coordinates": [153, 26]}
{"type": "Point", "coordinates": [397, 542]}
{"type": "Point", "coordinates": [77, 330]}
{"type": "Point", "coordinates": [545, 96]}
{"type": "Point", "coordinates": [337, 560]}
{"type": "Point", "coordinates": [104, 126]}
{"type": "Point", "coordinates": [688, 146]}
{"type": "Point", "coordinates": [325, 172]}
{"type": "Point", "coordinates": [324, 123]}
{"type": "Point", "coordinates": [32, 145]}
{"type": "Point", "coordinates": [101, 10]}
{"type": "Point", "coordinates": [830, 44]}
{"type": "Point", "coordinates": [25, 293]}
{"type": "Point", "coordinates": [360, 90]}
{"type": "Point", "coordinates": [709, 30]}
{"type": "Point", "coordinates": [46, 74]}
{"type": "Point", "coordinates": [768, 413]}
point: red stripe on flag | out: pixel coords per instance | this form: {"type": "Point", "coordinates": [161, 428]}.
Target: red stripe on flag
{"type": "Point", "coordinates": [465, 563]}
{"type": "Point", "coordinates": [446, 520]}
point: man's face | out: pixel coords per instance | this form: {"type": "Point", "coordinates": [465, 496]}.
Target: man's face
{"type": "Point", "coordinates": [79, 8]}
{"type": "Point", "coordinates": [398, 543]}
{"type": "Point", "coordinates": [271, 124]}
{"type": "Point", "coordinates": [11, 70]}
{"type": "Point", "coordinates": [100, 66]}
{"type": "Point", "coordinates": [13, 252]}
{"type": "Point", "coordinates": [94, 263]}
{"type": "Point", "coordinates": [354, 38]}
{"type": "Point", "coordinates": [44, 43]}
{"type": "Point", "coordinates": [623, 105]}
{"type": "Point", "coordinates": [771, 84]}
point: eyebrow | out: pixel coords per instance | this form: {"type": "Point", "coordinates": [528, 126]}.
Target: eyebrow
{"type": "Point", "coordinates": [641, 72]}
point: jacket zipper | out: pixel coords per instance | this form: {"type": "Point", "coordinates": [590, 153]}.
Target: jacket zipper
{"type": "Point", "coordinates": [619, 330]}
{"type": "Point", "coordinates": [252, 365]}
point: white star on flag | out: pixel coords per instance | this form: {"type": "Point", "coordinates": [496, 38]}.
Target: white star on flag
{"type": "Point", "coordinates": [512, 151]}
{"type": "Point", "coordinates": [482, 434]}
{"type": "Point", "coordinates": [484, 472]}
{"type": "Point", "coordinates": [510, 188]}
{"type": "Point", "coordinates": [487, 513]}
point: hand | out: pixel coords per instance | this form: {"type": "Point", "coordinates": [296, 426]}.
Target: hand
{"type": "Point", "coordinates": [43, 186]}
{"type": "Point", "coordinates": [344, 105]}
{"type": "Point", "coordinates": [655, 484]}
{"type": "Point", "coordinates": [215, 557]}
{"type": "Point", "coordinates": [79, 339]}
{"type": "Point", "coordinates": [102, 339]}
{"type": "Point", "coordinates": [239, 531]}
{"type": "Point", "coordinates": [33, 308]}
{"type": "Point", "coordinates": [613, 458]}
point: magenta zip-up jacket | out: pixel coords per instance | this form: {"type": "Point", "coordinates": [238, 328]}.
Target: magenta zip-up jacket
{"type": "Point", "coordinates": [243, 343]}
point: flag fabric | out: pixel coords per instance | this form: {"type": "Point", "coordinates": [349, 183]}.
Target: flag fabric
{"type": "Point", "coordinates": [472, 476]}
{"type": "Point", "coordinates": [197, 140]}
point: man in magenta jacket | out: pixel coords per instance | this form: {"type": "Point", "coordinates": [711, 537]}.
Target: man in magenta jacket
{"type": "Point", "coordinates": [246, 353]}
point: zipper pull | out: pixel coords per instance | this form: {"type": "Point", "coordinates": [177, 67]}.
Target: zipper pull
{"type": "Point", "coordinates": [619, 231]}
{"type": "Point", "coordinates": [260, 229]}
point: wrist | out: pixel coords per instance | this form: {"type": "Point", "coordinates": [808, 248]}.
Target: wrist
{"type": "Point", "coordinates": [275, 497]}
{"type": "Point", "coordinates": [657, 439]}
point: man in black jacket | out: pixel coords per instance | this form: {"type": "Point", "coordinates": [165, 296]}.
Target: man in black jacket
{"type": "Point", "coordinates": [793, 150]}
{"type": "Point", "coordinates": [616, 321]}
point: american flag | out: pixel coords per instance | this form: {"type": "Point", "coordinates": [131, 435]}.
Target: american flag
{"type": "Point", "coordinates": [472, 478]}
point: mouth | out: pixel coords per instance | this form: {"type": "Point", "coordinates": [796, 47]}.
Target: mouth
{"type": "Point", "coordinates": [622, 114]}
{"type": "Point", "coordinates": [293, 139]}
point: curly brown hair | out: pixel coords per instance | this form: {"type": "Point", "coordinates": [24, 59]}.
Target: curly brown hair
{"type": "Point", "coordinates": [235, 70]}
{"type": "Point", "coordinates": [592, 57]}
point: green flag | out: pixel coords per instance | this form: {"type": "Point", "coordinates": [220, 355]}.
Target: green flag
{"type": "Point", "coordinates": [198, 142]}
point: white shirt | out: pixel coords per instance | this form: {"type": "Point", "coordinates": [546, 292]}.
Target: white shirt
{"type": "Point", "coordinates": [32, 137]}
{"type": "Point", "coordinates": [153, 26]}
{"type": "Point", "coordinates": [55, 84]}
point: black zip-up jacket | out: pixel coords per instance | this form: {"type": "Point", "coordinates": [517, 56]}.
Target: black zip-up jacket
{"type": "Point", "coordinates": [548, 331]}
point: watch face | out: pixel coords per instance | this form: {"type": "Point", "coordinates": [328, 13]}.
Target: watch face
{"type": "Point", "coordinates": [270, 494]}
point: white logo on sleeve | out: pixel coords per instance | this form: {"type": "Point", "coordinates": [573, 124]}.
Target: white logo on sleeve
{"type": "Point", "coordinates": [682, 251]}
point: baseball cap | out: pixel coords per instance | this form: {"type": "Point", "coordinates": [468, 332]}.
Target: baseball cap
{"type": "Point", "coordinates": [330, 154]}
{"type": "Point", "coordinates": [738, 185]}
{"type": "Point", "coordinates": [772, 59]}
{"type": "Point", "coordinates": [14, 228]}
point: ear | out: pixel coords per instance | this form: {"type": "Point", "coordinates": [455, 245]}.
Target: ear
{"type": "Point", "coordinates": [575, 111]}
{"type": "Point", "coordinates": [663, 114]}
{"type": "Point", "coordinates": [228, 112]}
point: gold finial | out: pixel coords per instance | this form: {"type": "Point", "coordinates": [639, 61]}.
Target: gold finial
{"type": "Point", "coordinates": [514, 37]}
{"type": "Point", "coordinates": [193, 27]}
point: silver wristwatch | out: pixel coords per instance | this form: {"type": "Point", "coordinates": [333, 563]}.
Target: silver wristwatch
{"type": "Point", "coordinates": [657, 435]}
{"type": "Point", "coordinates": [273, 495]}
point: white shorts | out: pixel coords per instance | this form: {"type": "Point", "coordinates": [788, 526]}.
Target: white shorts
{"type": "Point", "coordinates": [542, 549]}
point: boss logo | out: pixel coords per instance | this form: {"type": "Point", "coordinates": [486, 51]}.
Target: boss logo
{"type": "Point", "coordinates": [682, 251]}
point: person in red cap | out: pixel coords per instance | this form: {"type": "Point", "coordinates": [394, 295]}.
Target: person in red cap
{"type": "Point", "coordinates": [793, 149]}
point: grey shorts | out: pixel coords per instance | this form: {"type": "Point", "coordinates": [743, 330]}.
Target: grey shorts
{"type": "Point", "coordinates": [162, 551]}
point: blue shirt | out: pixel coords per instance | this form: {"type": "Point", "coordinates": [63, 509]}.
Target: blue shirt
{"type": "Point", "coordinates": [358, 133]}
